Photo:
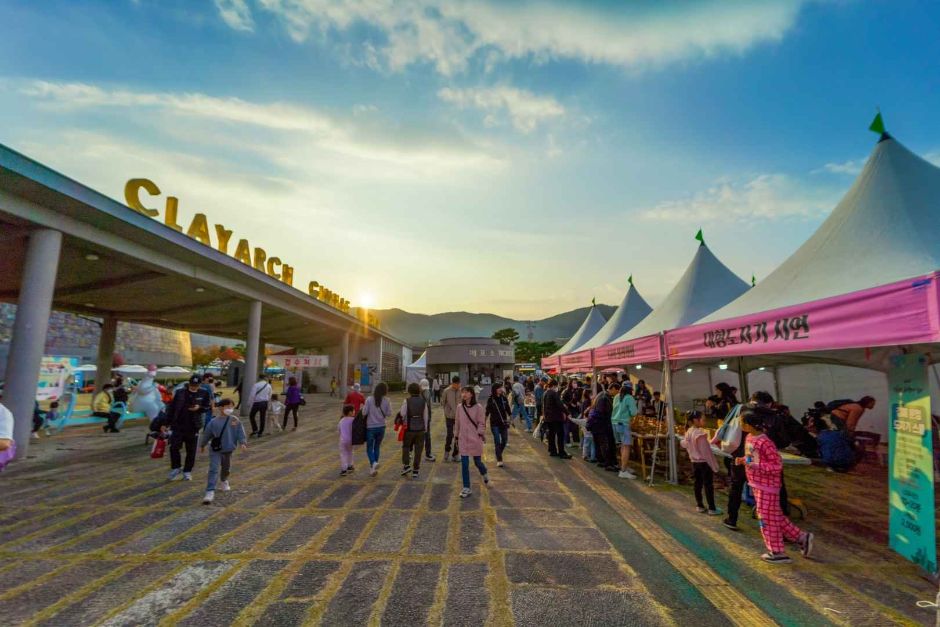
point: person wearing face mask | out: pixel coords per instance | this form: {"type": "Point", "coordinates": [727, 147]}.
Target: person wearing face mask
{"type": "Point", "coordinates": [224, 433]}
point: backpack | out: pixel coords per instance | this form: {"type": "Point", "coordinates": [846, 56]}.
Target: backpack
{"type": "Point", "coordinates": [415, 418]}
{"type": "Point", "coordinates": [359, 429]}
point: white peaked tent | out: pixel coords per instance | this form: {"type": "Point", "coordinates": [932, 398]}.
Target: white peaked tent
{"type": "Point", "coordinates": [884, 229]}
{"type": "Point", "coordinates": [418, 370]}
{"type": "Point", "coordinates": [593, 323]}
{"type": "Point", "coordinates": [633, 308]}
{"type": "Point", "coordinates": [706, 286]}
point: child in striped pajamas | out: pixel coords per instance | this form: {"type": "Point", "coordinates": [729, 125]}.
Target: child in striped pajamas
{"type": "Point", "coordinates": [764, 468]}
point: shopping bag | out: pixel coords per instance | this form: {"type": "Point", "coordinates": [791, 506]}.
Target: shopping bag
{"type": "Point", "coordinates": [158, 449]}
{"type": "Point", "coordinates": [730, 433]}
{"type": "Point", "coordinates": [401, 432]}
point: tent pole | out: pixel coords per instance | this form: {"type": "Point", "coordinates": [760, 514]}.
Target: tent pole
{"type": "Point", "coordinates": [670, 422]}
{"type": "Point", "coordinates": [742, 381]}
{"type": "Point", "coordinates": [775, 372]}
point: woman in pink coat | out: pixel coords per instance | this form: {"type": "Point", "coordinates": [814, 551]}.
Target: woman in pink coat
{"type": "Point", "coordinates": [470, 427]}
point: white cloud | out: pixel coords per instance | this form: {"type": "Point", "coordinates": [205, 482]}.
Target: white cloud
{"type": "Point", "coordinates": [851, 167]}
{"type": "Point", "coordinates": [525, 109]}
{"type": "Point", "coordinates": [764, 197]}
{"type": "Point", "coordinates": [236, 14]}
{"type": "Point", "coordinates": [450, 34]}
{"type": "Point", "coordinates": [350, 146]}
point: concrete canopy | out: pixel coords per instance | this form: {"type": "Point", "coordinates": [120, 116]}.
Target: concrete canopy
{"type": "Point", "coordinates": [117, 262]}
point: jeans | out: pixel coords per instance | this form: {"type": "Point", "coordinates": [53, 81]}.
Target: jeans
{"type": "Point", "coordinates": [528, 417]}
{"type": "Point", "coordinates": [500, 440]}
{"type": "Point", "coordinates": [374, 437]}
{"type": "Point", "coordinates": [258, 407]}
{"type": "Point", "coordinates": [177, 440]}
{"type": "Point", "coordinates": [622, 434]}
{"type": "Point", "coordinates": [413, 440]}
{"type": "Point", "coordinates": [704, 479]}
{"type": "Point", "coordinates": [218, 459]}
{"type": "Point", "coordinates": [587, 446]}
{"type": "Point", "coordinates": [519, 410]}
{"type": "Point", "coordinates": [450, 438]}
{"type": "Point", "coordinates": [465, 468]}
{"type": "Point", "coordinates": [290, 407]}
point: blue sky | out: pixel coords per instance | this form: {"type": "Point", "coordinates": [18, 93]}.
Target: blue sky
{"type": "Point", "coordinates": [512, 157]}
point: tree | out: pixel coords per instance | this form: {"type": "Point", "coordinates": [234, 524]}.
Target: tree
{"type": "Point", "coordinates": [506, 336]}
{"type": "Point", "coordinates": [230, 354]}
{"type": "Point", "coordinates": [534, 351]}
{"type": "Point", "coordinates": [204, 355]}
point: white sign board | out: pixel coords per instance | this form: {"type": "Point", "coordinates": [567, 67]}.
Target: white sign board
{"type": "Point", "coordinates": [301, 361]}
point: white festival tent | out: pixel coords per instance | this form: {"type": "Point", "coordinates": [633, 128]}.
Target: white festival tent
{"type": "Point", "coordinates": [883, 230]}
{"type": "Point", "coordinates": [593, 323]}
{"type": "Point", "coordinates": [418, 370]}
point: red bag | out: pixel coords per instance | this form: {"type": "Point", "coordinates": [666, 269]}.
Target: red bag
{"type": "Point", "coordinates": [401, 432]}
{"type": "Point", "coordinates": [159, 448]}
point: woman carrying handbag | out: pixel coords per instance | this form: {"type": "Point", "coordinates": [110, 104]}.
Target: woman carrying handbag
{"type": "Point", "coordinates": [470, 429]}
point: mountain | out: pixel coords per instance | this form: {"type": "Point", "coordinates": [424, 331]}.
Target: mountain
{"type": "Point", "coordinates": [418, 329]}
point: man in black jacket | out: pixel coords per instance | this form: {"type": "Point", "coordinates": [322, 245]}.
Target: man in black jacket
{"type": "Point", "coordinates": [603, 431]}
{"type": "Point", "coordinates": [185, 414]}
{"type": "Point", "coordinates": [555, 414]}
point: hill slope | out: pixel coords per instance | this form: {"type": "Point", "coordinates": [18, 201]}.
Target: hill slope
{"type": "Point", "coordinates": [421, 328]}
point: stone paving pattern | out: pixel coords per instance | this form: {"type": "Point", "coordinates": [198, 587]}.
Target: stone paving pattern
{"type": "Point", "coordinates": [92, 533]}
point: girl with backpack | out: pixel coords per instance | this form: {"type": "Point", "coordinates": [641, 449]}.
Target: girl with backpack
{"type": "Point", "coordinates": [470, 429]}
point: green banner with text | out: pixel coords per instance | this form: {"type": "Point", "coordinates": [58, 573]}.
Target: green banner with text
{"type": "Point", "coordinates": [912, 525]}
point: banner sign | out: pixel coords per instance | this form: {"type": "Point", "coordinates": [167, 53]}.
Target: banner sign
{"type": "Point", "coordinates": [549, 363]}
{"type": "Point", "coordinates": [53, 376]}
{"type": "Point", "coordinates": [301, 361]}
{"type": "Point", "coordinates": [639, 351]}
{"type": "Point", "coordinates": [912, 522]}
{"type": "Point", "coordinates": [581, 361]}
{"type": "Point", "coordinates": [898, 313]}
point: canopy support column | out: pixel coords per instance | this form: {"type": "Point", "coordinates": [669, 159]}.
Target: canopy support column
{"type": "Point", "coordinates": [595, 383]}
{"type": "Point", "coordinates": [40, 267]}
{"type": "Point", "coordinates": [742, 381]}
{"type": "Point", "coordinates": [344, 375]}
{"type": "Point", "coordinates": [670, 423]}
{"type": "Point", "coordinates": [252, 350]}
{"type": "Point", "coordinates": [105, 351]}
{"type": "Point", "coordinates": [776, 373]}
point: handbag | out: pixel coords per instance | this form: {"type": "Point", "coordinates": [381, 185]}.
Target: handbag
{"type": "Point", "coordinates": [216, 443]}
{"type": "Point", "coordinates": [158, 449]}
{"type": "Point", "coordinates": [359, 429]}
{"type": "Point", "coordinates": [730, 433]}
{"type": "Point", "coordinates": [303, 401]}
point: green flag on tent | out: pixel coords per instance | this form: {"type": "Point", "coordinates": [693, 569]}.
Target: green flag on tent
{"type": "Point", "coordinates": [753, 280]}
{"type": "Point", "coordinates": [594, 302]}
{"type": "Point", "coordinates": [877, 125]}
{"type": "Point", "coordinates": [630, 279]}
{"type": "Point", "coordinates": [700, 236]}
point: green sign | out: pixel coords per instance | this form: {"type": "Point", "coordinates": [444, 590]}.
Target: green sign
{"type": "Point", "coordinates": [912, 526]}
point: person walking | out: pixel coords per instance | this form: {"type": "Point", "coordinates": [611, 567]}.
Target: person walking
{"type": "Point", "coordinates": [703, 461]}
{"type": "Point", "coordinates": [571, 397]}
{"type": "Point", "coordinates": [497, 410]}
{"type": "Point", "coordinates": [450, 399]}
{"type": "Point", "coordinates": [292, 400]}
{"type": "Point", "coordinates": [722, 405]}
{"type": "Point", "coordinates": [603, 431]}
{"type": "Point", "coordinates": [185, 414]}
{"type": "Point", "coordinates": [225, 433]}
{"type": "Point", "coordinates": [345, 440]}
{"type": "Point", "coordinates": [259, 398]}
{"type": "Point", "coordinates": [764, 468]}
{"type": "Point", "coordinates": [333, 386]}
{"type": "Point", "coordinates": [436, 389]}
{"type": "Point", "coordinates": [413, 417]}
{"type": "Point", "coordinates": [470, 429]}
{"type": "Point", "coordinates": [355, 398]}
{"type": "Point", "coordinates": [555, 415]}
{"type": "Point", "coordinates": [539, 394]}
{"type": "Point", "coordinates": [624, 410]}
{"type": "Point", "coordinates": [426, 395]}
{"type": "Point", "coordinates": [518, 403]}
{"type": "Point", "coordinates": [376, 409]}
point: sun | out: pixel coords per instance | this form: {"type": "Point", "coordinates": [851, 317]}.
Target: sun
{"type": "Point", "coordinates": [366, 300]}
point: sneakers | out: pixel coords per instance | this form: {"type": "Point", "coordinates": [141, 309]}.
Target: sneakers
{"type": "Point", "coordinates": [414, 474]}
{"type": "Point", "coordinates": [455, 458]}
{"type": "Point", "coordinates": [701, 510]}
{"type": "Point", "coordinates": [374, 470]}
{"type": "Point", "coordinates": [806, 543]}
{"type": "Point", "coordinates": [35, 435]}
{"type": "Point", "coordinates": [209, 497]}
{"type": "Point", "coordinates": [776, 558]}
{"type": "Point", "coordinates": [486, 479]}
{"type": "Point", "coordinates": [430, 458]}
{"type": "Point", "coordinates": [405, 470]}
{"type": "Point", "coordinates": [499, 464]}
{"type": "Point", "coordinates": [564, 455]}
{"type": "Point", "coordinates": [225, 486]}
{"type": "Point", "coordinates": [714, 512]}
{"type": "Point", "coordinates": [626, 474]}
{"type": "Point", "coordinates": [465, 493]}
{"type": "Point", "coordinates": [343, 473]}
{"type": "Point", "coordinates": [350, 469]}
{"type": "Point", "coordinates": [175, 475]}
{"type": "Point", "coordinates": [730, 525]}
{"type": "Point", "coordinates": [187, 476]}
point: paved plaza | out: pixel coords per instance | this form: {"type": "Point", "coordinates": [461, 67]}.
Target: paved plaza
{"type": "Point", "coordinates": [91, 532]}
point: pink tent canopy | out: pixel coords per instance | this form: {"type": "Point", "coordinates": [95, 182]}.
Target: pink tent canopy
{"type": "Point", "coordinates": [903, 312]}
{"type": "Point", "coordinates": [639, 351]}
{"type": "Point", "coordinates": [551, 362]}
{"type": "Point", "coordinates": [579, 361]}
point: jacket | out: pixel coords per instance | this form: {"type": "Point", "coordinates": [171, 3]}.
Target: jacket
{"type": "Point", "coordinates": [101, 403]}
{"type": "Point", "coordinates": [182, 420]}
{"type": "Point", "coordinates": [470, 429]}
{"type": "Point", "coordinates": [765, 472]}
{"type": "Point", "coordinates": [497, 408]}
{"type": "Point", "coordinates": [624, 409]}
{"type": "Point", "coordinates": [552, 407]}
{"type": "Point", "coordinates": [450, 399]}
{"type": "Point", "coordinates": [603, 409]}
{"type": "Point", "coordinates": [696, 443]}
{"type": "Point", "coordinates": [376, 415]}
{"type": "Point", "coordinates": [414, 414]}
{"type": "Point", "coordinates": [292, 396]}
{"type": "Point", "coordinates": [232, 437]}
